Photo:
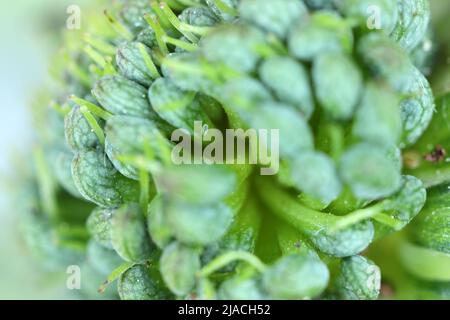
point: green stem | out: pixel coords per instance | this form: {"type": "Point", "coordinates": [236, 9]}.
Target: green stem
{"type": "Point", "coordinates": [177, 23]}
{"type": "Point", "coordinates": [115, 275]}
{"type": "Point", "coordinates": [158, 10]}
{"type": "Point", "coordinates": [229, 257]}
{"type": "Point", "coordinates": [109, 69]}
{"type": "Point", "coordinates": [93, 124]}
{"type": "Point", "coordinates": [179, 5]}
{"type": "Point", "coordinates": [181, 44]}
{"type": "Point", "coordinates": [356, 217]}
{"type": "Point", "coordinates": [290, 239]}
{"type": "Point", "coordinates": [287, 208]}
{"type": "Point", "coordinates": [95, 56]}
{"type": "Point", "coordinates": [202, 31]}
{"type": "Point", "coordinates": [337, 140]}
{"type": "Point", "coordinates": [46, 185]}
{"type": "Point", "coordinates": [100, 45]}
{"type": "Point", "coordinates": [152, 20]}
{"type": "Point", "coordinates": [78, 232]}
{"type": "Point", "coordinates": [61, 109]}
{"type": "Point", "coordinates": [388, 221]}
{"type": "Point", "coordinates": [222, 6]}
{"type": "Point", "coordinates": [80, 74]}
{"type": "Point", "coordinates": [277, 44]}
{"type": "Point", "coordinates": [119, 28]}
{"type": "Point", "coordinates": [148, 61]}
{"type": "Point", "coordinates": [94, 109]}
{"type": "Point", "coordinates": [144, 181]}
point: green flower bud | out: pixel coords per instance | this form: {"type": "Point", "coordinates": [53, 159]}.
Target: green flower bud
{"type": "Point", "coordinates": [231, 4]}
{"type": "Point", "coordinates": [198, 16]}
{"type": "Point", "coordinates": [129, 234]}
{"type": "Point", "coordinates": [291, 125]}
{"type": "Point", "coordinates": [432, 229]}
{"type": "Point", "coordinates": [99, 226]}
{"type": "Point", "coordinates": [386, 60]}
{"type": "Point", "coordinates": [123, 97]}
{"type": "Point", "coordinates": [296, 276]}
{"type": "Point", "coordinates": [418, 109]}
{"type": "Point", "coordinates": [344, 243]}
{"type": "Point", "coordinates": [131, 63]}
{"type": "Point", "coordinates": [358, 279]}
{"type": "Point", "coordinates": [362, 10]}
{"type": "Point", "coordinates": [79, 134]}
{"type": "Point", "coordinates": [289, 80]}
{"type": "Point", "coordinates": [368, 172]}
{"type": "Point", "coordinates": [338, 84]}
{"type": "Point", "coordinates": [157, 222]}
{"type": "Point", "coordinates": [132, 13]}
{"type": "Point", "coordinates": [99, 182]}
{"type": "Point", "coordinates": [234, 46]}
{"type": "Point", "coordinates": [315, 174]}
{"type": "Point", "coordinates": [412, 24]}
{"type": "Point", "coordinates": [131, 136]}
{"type": "Point", "coordinates": [321, 32]}
{"type": "Point", "coordinates": [237, 288]}
{"type": "Point", "coordinates": [199, 224]}
{"type": "Point", "coordinates": [189, 184]}
{"type": "Point", "coordinates": [147, 37]}
{"type": "Point", "coordinates": [175, 105]}
{"type": "Point", "coordinates": [179, 265]}
{"type": "Point", "coordinates": [62, 164]}
{"type": "Point", "coordinates": [142, 282]}
{"type": "Point", "coordinates": [276, 16]}
{"type": "Point", "coordinates": [114, 155]}
{"type": "Point", "coordinates": [378, 119]}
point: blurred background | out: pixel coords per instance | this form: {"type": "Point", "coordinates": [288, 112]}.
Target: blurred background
{"type": "Point", "coordinates": [29, 36]}
{"type": "Point", "coordinates": [29, 33]}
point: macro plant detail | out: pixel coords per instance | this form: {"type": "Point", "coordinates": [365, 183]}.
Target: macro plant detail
{"type": "Point", "coordinates": [359, 201]}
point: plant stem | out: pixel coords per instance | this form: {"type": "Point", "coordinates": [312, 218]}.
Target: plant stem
{"type": "Point", "coordinates": [357, 216]}
{"type": "Point", "coordinates": [290, 210]}
{"type": "Point", "coordinates": [93, 124]}
{"type": "Point", "coordinates": [115, 274]}
{"type": "Point", "coordinates": [94, 109]}
{"type": "Point", "coordinates": [148, 61]}
{"type": "Point", "coordinates": [231, 256]}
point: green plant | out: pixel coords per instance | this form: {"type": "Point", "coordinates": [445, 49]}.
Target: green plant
{"type": "Point", "coordinates": [350, 106]}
